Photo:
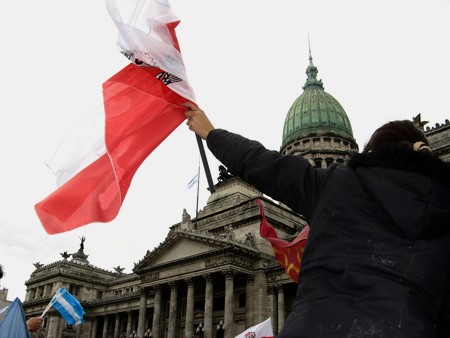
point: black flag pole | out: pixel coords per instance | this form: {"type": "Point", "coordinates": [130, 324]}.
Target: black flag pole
{"type": "Point", "coordinates": [205, 164]}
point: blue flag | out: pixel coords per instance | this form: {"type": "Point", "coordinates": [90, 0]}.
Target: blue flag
{"type": "Point", "coordinates": [14, 324]}
{"type": "Point", "coordinates": [68, 306]}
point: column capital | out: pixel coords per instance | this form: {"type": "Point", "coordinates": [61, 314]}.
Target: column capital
{"type": "Point", "coordinates": [229, 273]}
{"type": "Point", "coordinates": [250, 279]}
{"type": "Point", "coordinates": [280, 288]}
{"type": "Point", "coordinates": [271, 290]}
{"type": "Point", "coordinates": [208, 278]}
{"type": "Point", "coordinates": [189, 281]}
{"type": "Point", "coordinates": [89, 318]}
{"type": "Point", "coordinates": [173, 285]}
{"type": "Point", "coordinates": [143, 291]}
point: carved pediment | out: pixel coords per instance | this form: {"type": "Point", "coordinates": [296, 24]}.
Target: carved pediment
{"type": "Point", "coordinates": [182, 249]}
{"type": "Point", "coordinates": [183, 246]}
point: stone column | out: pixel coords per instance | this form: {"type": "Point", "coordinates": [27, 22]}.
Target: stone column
{"type": "Point", "coordinates": [105, 326]}
{"type": "Point", "coordinates": [142, 313]}
{"type": "Point", "coordinates": [94, 328]}
{"type": "Point", "coordinates": [53, 323]}
{"type": "Point", "coordinates": [172, 310]}
{"type": "Point", "coordinates": [27, 295]}
{"type": "Point", "coordinates": [117, 325]}
{"type": "Point", "coordinates": [189, 326]}
{"type": "Point", "coordinates": [209, 297]}
{"type": "Point", "coordinates": [44, 290]}
{"type": "Point", "coordinates": [272, 292]}
{"type": "Point", "coordinates": [61, 326]}
{"type": "Point", "coordinates": [249, 301]}
{"type": "Point", "coordinates": [229, 303]}
{"type": "Point", "coordinates": [280, 307]}
{"type": "Point", "coordinates": [324, 162]}
{"type": "Point", "coordinates": [77, 329]}
{"type": "Point", "coordinates": [260, 296]}
{"type": "Point", "coordinates": [156, 312]}
{"type": "Point", "coordinates": [129, 323]}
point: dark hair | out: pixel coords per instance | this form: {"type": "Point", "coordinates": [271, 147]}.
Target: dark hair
{"type": "Point", "coordinates": [400, 133]}
{"type": "Point", "coordinates": [1, 271]}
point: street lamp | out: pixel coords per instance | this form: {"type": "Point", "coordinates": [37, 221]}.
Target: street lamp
{"type": "Point", "coordinates": [200, 330]}
{"type": "Point", "coordinates": [133, 335]}
{"type": "Point", "coordinates": [221, 326]}
{"type": "Point", "coordinates": [148, 333]}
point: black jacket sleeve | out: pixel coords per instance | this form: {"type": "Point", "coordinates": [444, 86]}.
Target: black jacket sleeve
{"type": "Point", "coordinates": [443, 324]}
{"type": "Point", "coordinates": [288, 179]}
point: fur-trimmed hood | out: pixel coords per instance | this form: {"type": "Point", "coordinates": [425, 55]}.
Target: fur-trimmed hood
{"type": "Point", "coordinates": [404, 159]}
{"type": "Point", "coordinates": [398, 178]}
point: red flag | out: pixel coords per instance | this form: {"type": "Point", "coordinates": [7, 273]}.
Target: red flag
{"type": "Point", "coordinates": [287, 254]}
{"type": "Point", "coordinates": [140, 112]}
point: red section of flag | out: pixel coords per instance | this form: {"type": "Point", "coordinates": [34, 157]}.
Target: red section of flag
{"type": "Point", "coordinates": [140, 111]}
{"type": "Point", "coordinates": [287, 254]}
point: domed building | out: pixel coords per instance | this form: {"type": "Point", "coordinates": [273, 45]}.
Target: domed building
{"type": "Point", "coordinates": [214, 275]}
{"type": "Point", "coordinates": [316, 126]}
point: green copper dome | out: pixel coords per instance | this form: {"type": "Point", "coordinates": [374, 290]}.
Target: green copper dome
{"type": "Point", "coordinates": [315, 112]}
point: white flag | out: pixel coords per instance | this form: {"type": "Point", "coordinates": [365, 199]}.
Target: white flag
{"type": "Point", "coordinates": [262, 330]}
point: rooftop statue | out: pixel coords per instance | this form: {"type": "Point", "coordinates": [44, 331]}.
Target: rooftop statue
{"type": "Point", "coordinates": [224, 174]}
{"type": "Point", "coordinates": [82, 244]}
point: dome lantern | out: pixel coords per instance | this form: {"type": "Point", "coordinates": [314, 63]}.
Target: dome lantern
{"type": "Point", "coordinates": [316, 121]}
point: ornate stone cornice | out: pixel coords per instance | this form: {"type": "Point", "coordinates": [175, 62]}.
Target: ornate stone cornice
{"type": "Point", "coordinates": [437, 127]}
{"type": "Point", "coordinates": [229, 259]}
{"type": "Point", "coordinates": [115, 299]}
{"type": "Point", "coordinates": [74, 271]}
{"type": "Point", "coordinates": [226, 213]}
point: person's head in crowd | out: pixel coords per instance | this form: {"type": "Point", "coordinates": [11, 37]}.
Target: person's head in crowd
{"type": "Point", "coordinates": [398, 133]}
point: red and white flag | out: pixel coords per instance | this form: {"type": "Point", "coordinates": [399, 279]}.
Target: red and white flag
{"type": "Point", "coordinates": [262, 330]}
{"type": "Point", "coordinates": [96, 162]}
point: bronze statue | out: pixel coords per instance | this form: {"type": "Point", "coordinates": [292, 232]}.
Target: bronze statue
{"type": "Point", "coordinates": [82, 244]}
{"type": "Point", "coordinates": [224, 174]}
{"type": "Point", "coordinates": [65, 255]}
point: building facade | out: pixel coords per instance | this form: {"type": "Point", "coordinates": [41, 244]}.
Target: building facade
{"type": "Point", "coordinates": [213, 276]}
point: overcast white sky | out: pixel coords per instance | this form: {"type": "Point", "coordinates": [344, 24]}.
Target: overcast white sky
{"type": "Point", "coordinates": [246, 60]}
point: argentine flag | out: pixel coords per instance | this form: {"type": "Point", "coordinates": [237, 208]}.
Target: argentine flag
{"type": "Point", "coordinates": [68, 306]}
{"type": "Point", "coordinates": [193, 182]}
{"type": "Point", "coordinates": [14, 324]}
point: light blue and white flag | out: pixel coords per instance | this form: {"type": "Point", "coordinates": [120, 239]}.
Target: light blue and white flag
{"type": "Point", "coordinates": [193, 182]}
{"type": "Point", "coordinates": [68, 306]}
{"type": "Point", "coordinates": [14, 324]}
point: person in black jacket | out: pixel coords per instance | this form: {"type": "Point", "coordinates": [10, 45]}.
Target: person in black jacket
{"type": "Point", "coordinates": [377, 259]}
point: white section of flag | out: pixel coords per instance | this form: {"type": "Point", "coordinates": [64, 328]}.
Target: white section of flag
{"type": "Point", "coordinates": [83, 145]}
{"type": "Point", "coordinates": [262, 330]}
{"type": "Point", "coordinates": [193, 182]}
{"type": "Point", "coordinates": [143, 35]}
